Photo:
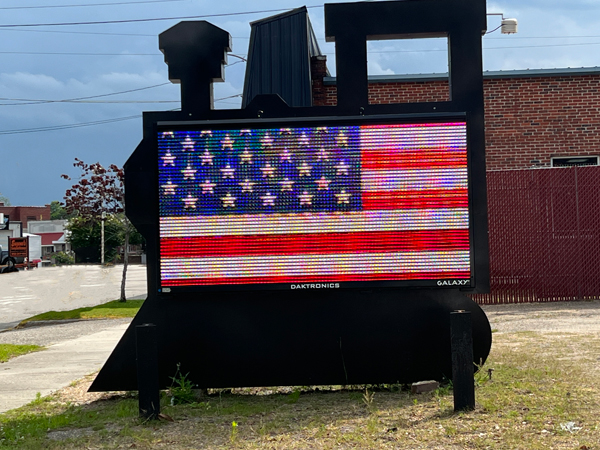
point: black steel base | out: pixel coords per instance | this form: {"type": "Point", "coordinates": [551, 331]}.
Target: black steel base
{"type": "Point", "coordinates": [333, 338]}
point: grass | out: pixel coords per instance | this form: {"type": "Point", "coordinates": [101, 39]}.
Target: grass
{"type": "Point", "coordinates": [110, 310]}
{"type": "Point", "coordinates": [544, 393]}
{"type": "Point", "coordinates": [8, 351]}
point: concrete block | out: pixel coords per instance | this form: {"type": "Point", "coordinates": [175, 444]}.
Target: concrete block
{"type": "Point", "coordinates": [424, 386]}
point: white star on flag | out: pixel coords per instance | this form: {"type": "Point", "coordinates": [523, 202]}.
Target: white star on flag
{"type": "Point", "coordinates": [286, 131]}
{"type": "Point", "coordinates": [169, 188]}
{"type": "Point", "coordinates": [243, 132]}
{"type": "Point", "coordinates": [207, 158]}
{"type": "Point", "coordinates": [247, 185]}
{"type": "Point", "coordinates": [190, 202]}
{"type": "Point", "coordinates": [286, 185]}
{"type": "Point", "coordinates": [208, 187]}
{"type": "Point", "coordinates": [228, 201]}
{"type": "Point", "coordinates": [246, 157]}
{"type": "Point", "coordinates": [342, 168]}
{"type": "Point", "coordinates": [187, 144]}
{"type": "Point", "coordinates": [189, 173]}
{"type": "Point", "coordinates": [168, 134]}
{"type": "Point", "coordinates": [303, 140]}
{"type": "Point", "coordinates": [206, 132]}
{"type": "Point", "coordinates": [343, 197]}
{"type": "Point", "coordinates": [304, 169]}
{"type": "Point", "coordinates": [323, 154]}
{"type": "Point", "coordinates": [227, 143]}
{"type": "Point", "coordinates": [342, 139]}
{"type": "Point", "coordinates": [321, 130]}
{"type": "Point", "coordinates": [268, 199]}
{"type": "Point", "coordinates": [267, 140]}
{"type": "Point", "coordinates": [227, 171]}
{"type": "Point", "coordinates": [168, 159]}
{"type": "Point", "coordinates": [323, 183]}
{"type": "Point", "coordinates": [286, 155]}
{"type": "Point", "coordinates": [268, 171]}
{"type": "Point", "coordinates": [305, 199]}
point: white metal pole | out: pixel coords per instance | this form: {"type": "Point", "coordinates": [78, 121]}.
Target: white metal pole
{"type": "Point", "coordinates": [102, 238]}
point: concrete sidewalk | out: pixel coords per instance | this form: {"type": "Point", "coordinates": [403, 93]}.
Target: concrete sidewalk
{"type": "Point", "coordinates": [56, 367]}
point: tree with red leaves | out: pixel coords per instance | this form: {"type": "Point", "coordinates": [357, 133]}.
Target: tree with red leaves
{"type": "Point", "coordinates": [99, 190]}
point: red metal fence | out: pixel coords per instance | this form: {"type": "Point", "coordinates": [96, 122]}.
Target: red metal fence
{"type": "Point", "coordinates": [544, 232]}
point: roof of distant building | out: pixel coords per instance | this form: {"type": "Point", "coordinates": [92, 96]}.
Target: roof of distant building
{"type": "Point", "coordinates": [520, 73]}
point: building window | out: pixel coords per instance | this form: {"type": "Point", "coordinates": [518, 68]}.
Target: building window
{"type": "Point", "coordinates": [570, 161]}
{"type": "Point", "coordinates": [30, 218]}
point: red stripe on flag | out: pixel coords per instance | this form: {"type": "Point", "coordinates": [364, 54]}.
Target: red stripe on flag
{"type": "Point", "coordinates": [387, 159]}
{"type": "Point", "coordinates": [431, 198]}
{"type": "Point", "coordinates": [315, 243]}
{"type": "Point", "coordinates": [316, 279]}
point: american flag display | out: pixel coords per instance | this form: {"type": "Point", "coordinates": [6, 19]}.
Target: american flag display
{"type": "Point", "coordinates": [331, 204]}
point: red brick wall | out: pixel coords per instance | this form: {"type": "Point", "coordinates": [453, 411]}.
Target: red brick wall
{"type": "Point", "coordinates": [528, 120]}
{"type": "Point", "coordinates": [20, 213]}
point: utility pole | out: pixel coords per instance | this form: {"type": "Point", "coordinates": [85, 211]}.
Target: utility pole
{"type": "Point", "coordinates": [102, 238]}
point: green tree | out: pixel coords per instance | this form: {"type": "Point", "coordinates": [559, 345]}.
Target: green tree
{"type": "Point", "coordinates": [58, 211]}
{"type": "Point", "coordinates": [4, 200]}
{"type": "Point", "coordinates": [98, 190]}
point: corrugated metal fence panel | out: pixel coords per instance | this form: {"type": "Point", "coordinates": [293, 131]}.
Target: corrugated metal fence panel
{"type": "Point", "coordinates": [544, 232]}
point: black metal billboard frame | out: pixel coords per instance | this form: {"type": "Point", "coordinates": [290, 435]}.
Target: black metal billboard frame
{"type": "Point", "coordinates": [261, 338]}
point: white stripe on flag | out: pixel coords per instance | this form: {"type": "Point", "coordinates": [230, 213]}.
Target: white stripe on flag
{"type": "Point", "coordinates": [308, 265]}
{"type": "Point", "coordinates": [410, 138]}
{"type": "Point", "coordinates": [247, 224]}
{"type": "Point", "coordinates": [414, 179]}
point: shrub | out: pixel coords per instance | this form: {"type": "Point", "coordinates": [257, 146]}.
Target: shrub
{"type": "Point", "coordinates": [63, 258]}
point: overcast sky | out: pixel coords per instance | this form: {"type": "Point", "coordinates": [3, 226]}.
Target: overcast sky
{"type": "Point", "coordinates": [42, 65]}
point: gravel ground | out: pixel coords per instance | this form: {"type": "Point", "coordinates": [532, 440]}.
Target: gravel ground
{"type": "Point", "coordinates": [46, 335]}
{"type": "Point", "coordinates": [572, 317]}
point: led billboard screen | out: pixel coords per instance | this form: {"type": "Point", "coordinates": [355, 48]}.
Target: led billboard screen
{"type": "Point", "coordinates": [324, 204]}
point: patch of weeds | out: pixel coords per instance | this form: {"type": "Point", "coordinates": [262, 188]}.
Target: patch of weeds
{"type": "Point", "coordinates": [234, 432]}
{"type": "Point", "coordinates": [294, 396]}
{"type": "Point", "coordinates": [182, 389]}
{"type": "Point", "coordinates": [450, 430]}
{"type": "Point", "coordinates": [372, 424]}
{"type": "Point", "coordinates": [127, 408]}
{"type": "Point", "coordinates": [367, 399]}
{"type": "Point", "coordinates": [481, 376]}
{"type": "Point", "coordinates": [444, 389]}
{"type": "Point", "coordinates": [39, 400]}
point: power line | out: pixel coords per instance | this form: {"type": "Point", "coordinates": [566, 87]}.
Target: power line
{"type": "Point", "coordinates": [27, 102]}
{"type": "Point", "coordinates": [68, 100]}
{"type": "Point", "coordinates": [80, 54]}
{"type": "Point", "coordinates": [105, 22]}
{"type": "Point", "coordinates": [85, 124]}
{"type": "Point", "coordinates": [89, 4]}
{"type": "Point", "coordinates": [68, 126]}
{"type": "Point", "coordinates": [97, 33]}
{"type": "Point", "coordinates": [81, 32]}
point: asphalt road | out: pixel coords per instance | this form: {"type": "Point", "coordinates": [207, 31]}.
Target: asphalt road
{"type": "Point", "coordinates": [26, 293]}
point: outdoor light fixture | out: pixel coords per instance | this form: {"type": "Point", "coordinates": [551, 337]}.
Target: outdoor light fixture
{"type": "Point", "coordinates": [507, 26]}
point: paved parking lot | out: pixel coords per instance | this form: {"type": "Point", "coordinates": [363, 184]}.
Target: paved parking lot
{"type": "Point", "coordinates": [31, 292]}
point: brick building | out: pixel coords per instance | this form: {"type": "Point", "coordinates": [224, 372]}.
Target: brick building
{"type": "Point", "coordinates": [532, 117]}
{"type": "Point", "coordinates": [24, 214]}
